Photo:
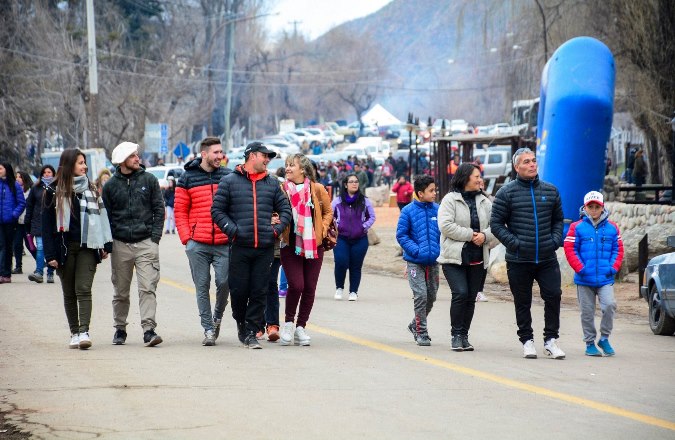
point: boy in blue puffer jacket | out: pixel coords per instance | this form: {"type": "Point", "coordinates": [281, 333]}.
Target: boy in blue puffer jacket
{"type": "Point", "coordinates": [418, 234]}
{"type": "Point", "coordinates": [594, 249]}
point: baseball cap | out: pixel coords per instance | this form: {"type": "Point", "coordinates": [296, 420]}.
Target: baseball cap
{"type": "Point", "coordinates": [594, 197]}
{"type": "Point", "coordinates": [259, 147]}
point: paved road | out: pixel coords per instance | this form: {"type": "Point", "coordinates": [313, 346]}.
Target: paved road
{"type": "Point", "coordinates": [363, 376]}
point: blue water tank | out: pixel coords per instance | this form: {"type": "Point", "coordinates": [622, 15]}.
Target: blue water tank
{"type": "Point", "coordinates": [575, 120]}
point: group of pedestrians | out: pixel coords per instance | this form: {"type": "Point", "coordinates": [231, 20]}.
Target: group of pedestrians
{"type": "Point", "coordinates": [246, 222]}
{"type": "Point", "coordinates": [527, 219]}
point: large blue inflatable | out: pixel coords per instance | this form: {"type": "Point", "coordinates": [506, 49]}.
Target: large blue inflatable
{"type": "Point", "coordinates": [575, 120]}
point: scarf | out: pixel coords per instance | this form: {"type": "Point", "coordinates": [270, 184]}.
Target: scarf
{"type": "Point", "coordinates": [300, 197]}
{"type": "Point", "coordinates": [94, 224]}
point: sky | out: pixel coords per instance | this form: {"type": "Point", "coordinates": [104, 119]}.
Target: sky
{"type": "Point", "coordinates": [318, 16]}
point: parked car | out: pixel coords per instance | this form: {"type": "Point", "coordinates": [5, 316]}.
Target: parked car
{"type": "Point", "coordinates": [355, 130]}
{"type": "Point", "coordinates": [163, 172]}
{"type": "Point", "coordinates": [501, 128]}
{"type": "Point", "coordinates": [286, 147]}
{"type": "Point", "coordinates": [496, 161]}
{"type": "Point", "coordinates": [331, 135]}
{"type": "Point", "coordinates": [658, 289]}
{"type": "Point", "coordinates": [458, 126]}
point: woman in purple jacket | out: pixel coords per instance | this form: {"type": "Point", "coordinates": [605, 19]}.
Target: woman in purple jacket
{"type": "Point", "coordinates": [354, 215]}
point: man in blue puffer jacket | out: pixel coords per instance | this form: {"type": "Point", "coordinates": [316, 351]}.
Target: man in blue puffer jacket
{"type": "Point", "coordinates": [594, 249]}
{"type": "Point", "coordinates": [418, 234]}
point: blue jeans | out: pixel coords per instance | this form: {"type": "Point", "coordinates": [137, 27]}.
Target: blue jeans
{"type": "Point", "coordinates": [283, 281]}
{"type": "Point", "coordinates": [40, 258]}
{"type": "Point", "coordinates": [349, 255]}
{"type": "Point", "coordinates": [201, 257]}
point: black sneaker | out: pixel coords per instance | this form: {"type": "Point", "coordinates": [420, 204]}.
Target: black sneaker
{"type": "Point", "coordinates": [411, 329]}
{"type": "Point", "coordinates": [457, 343]}
{"type": "Point", "coordinates": [423, 340]}
{"type": "Point", "coordinates": [251, 341]}
{"type": "Point", "coordinates": [17, 271]}
{"type": "Point", "coordinates": [50, 278]}
{"type": "Point", "coordinates": [466, 345]}
{"type": "Point", "coordinates": [120, 337]}
{"type": "Point", "coordinates": [216, 326]}
{"type": "Point", "coordinates": [151, 338]}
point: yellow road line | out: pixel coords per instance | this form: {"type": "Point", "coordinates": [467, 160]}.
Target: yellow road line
{"type": "Point", "coordinates": [598, 406]}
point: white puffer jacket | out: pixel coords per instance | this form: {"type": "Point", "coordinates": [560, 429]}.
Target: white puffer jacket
{"type": "Point", "coordinates": [454, 221]}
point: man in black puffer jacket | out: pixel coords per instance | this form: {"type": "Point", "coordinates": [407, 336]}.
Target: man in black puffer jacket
{"type": "Point", "coordinates": [136, 211]}
{"type": "Point", "coordinates": [527, 218]}
{"type": "Point", "coordinates": [252, 210]}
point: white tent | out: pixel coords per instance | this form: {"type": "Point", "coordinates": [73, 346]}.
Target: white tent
{"type": "Point", "coordinates": [380, 116]}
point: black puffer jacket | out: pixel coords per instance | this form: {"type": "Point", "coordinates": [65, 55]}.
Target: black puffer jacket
{"type": "Point", "coordinates": [135, 206]}
{"type": "Point", "coordinates": [34, 206]}
{"type": "Point", "coordinates": [243, 207]}
{"type": "Point", "coordinates": [527, 217]}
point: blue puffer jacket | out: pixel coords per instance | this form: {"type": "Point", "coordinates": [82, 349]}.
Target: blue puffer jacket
{"type": "Point", "coordinates": [594, 252]}
{"type": "Point", "coordinates": [11, 206]}
{"type": "Point", "coordinates": [418, 234]}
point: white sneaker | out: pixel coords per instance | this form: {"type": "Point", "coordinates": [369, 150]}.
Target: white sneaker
{"type": "Point", "coordinates": [286, 334]}
{"type": "Point", "coordinates": [85, 341]}
{"type": "Point", "coordinates": [481, 297]}
{"type": "Point", "coordinates": [353, 296]}
{"type": "Point", "coordinates": [529, 352]}
{"type": "Point", "coordinates": [301, 337]}
{"type": "Point", "coordinates": [74, 341]}
{"type": "Point", "coordinates": [338, 294]}
{"type": "Point", "coordinates": [551, 348]}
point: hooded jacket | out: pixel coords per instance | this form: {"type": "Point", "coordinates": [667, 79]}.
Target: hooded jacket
{"type": "Point", "coordinates": [195, 191]}
{"type": "Point", "coordinates": [418, 234]}
{"type": "Point", "coordinates": [11, 205]}
{"type": "Point", "coordinates": [353, 222]}
{"type": "Point", "coordinates": [243, 208]}
{"type": "Point", "coordinates": [135, 206]}
{"type": "Point", "coordinates": [595, 252]}
{"type": "Point", "coordinates": [527, 217]}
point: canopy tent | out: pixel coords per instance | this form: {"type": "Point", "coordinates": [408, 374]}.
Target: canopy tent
{"type": "Point", "coordinates": [380, 116]}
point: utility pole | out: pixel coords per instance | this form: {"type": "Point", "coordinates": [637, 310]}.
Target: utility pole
{"type": "Point", "coordinates": [92, 101]}
{"type": "Point", "coordinates": [295, 24]}
{"type": "Point", "coordinates": [228, 96]}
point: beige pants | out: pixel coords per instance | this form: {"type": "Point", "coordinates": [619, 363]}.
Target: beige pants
{"type": "Point", "coordinates": [144, 256]}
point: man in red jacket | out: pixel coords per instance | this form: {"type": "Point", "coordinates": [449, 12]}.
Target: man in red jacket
{"type": "Point", "coordinates": [205, 244]}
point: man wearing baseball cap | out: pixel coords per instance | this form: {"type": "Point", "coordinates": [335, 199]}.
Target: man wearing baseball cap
{"type": "Point", "coordinates": [244, 206]}
{"type": "Point", "coordinates": [136, 210]}
{"type": "Point", "coordinates": [594, 249]}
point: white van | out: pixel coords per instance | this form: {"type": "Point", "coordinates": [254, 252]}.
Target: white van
{"type": "Point", "coordinates": [496, 161]}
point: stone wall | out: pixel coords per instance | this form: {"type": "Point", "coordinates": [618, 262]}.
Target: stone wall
{"type": "Point", "coordinates": [658, 221]}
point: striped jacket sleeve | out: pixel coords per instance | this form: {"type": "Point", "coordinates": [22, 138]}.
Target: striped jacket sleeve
{"type": "Point", "coordinates": [571, 248]}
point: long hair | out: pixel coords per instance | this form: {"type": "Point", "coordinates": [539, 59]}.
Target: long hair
{"type": "Point", "coordinates": [305, 165]}
{"type": "Point", "coordinates": [360, 201]}
{"type": "Point", "coordinates": [42, 173]}
{"type": "Point", "coordinates": [9, 175]}
{"type": "Point", "coordinates": [26, 179]}
{"type": "Point", "coordinates": [65, 176]}
{"type": "Point", "coordinates": [462, 175]}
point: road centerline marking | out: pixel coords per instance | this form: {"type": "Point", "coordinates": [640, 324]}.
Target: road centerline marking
{"type": "Point", "coordinates": [522, 386]}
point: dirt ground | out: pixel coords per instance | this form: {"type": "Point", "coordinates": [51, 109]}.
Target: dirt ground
{"type": "Point", "coordinates": [383, 259]}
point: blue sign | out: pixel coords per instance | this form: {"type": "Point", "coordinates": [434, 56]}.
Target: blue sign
{"type": "Point", "coordinates": [181, 150]}
{"type": "Point", "coordinates": [164, 138]}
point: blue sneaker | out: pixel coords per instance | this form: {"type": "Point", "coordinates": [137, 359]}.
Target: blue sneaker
{"type": "Point", "coordinates": [606, 347]}
{"type": "Point", "coordinates": [592, 350]}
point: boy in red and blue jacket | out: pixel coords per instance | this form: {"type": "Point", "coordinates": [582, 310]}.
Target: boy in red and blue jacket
{"type": "Point", "coordinates": [594, 249]}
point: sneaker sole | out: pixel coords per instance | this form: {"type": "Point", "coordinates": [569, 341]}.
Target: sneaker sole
{"type": "Point", "coordinates": [35, 279]}
{"type": "Point", "coordinates": [273, 337]}
{"type": "Point", "coordinates": [302, 344]}
{"type": "Point", "coordinates": [84, 345]}
{"type": "Point", "coordinates": [468, 348]}
{"type": "Point", "coordinates": [424, 344]}
{"type": "Point", "coordinates": [530, 356]}
{"type": "Point", "coordinates": [153, 342]}
{"type": "Point", "coordinates": [119, 342]}
{"type": "Point", "coordinates": [253, 347]}
{"type": "Point", "coordinates": [74, 346]}
{"type": "Point", "coordinates": [457, 349]}
{"type": "Point", "coordinates": [208, 344]}
{"type": "Point", "coordinates": [593, 355]}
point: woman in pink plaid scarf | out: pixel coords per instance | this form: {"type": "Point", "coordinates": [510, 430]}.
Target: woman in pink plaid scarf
{"type": "Point", "coordinates": [301, 252]}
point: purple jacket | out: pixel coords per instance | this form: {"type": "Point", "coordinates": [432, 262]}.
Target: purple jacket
{"type": "Point", "coordinates": [352, 222]}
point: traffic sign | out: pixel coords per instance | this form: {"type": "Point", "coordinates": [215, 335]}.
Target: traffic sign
{"type": "Point", "coordinates": [181, 150]}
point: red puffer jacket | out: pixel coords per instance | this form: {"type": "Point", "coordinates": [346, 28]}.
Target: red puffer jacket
{"type": "Point", "coordinates": [192, 207]}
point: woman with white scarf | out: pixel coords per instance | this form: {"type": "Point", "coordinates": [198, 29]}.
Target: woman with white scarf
{"type": "Point", "coordinates": [76, 237]}
{"type": "Point", "coordinates": [301, 250]}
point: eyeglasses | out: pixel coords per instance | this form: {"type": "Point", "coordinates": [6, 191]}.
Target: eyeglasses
{"type": "Point", "coordinates": [352, 181]}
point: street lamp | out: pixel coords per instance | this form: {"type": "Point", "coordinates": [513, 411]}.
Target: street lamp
{"type": "Point", "coordinates": [409, 126]}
